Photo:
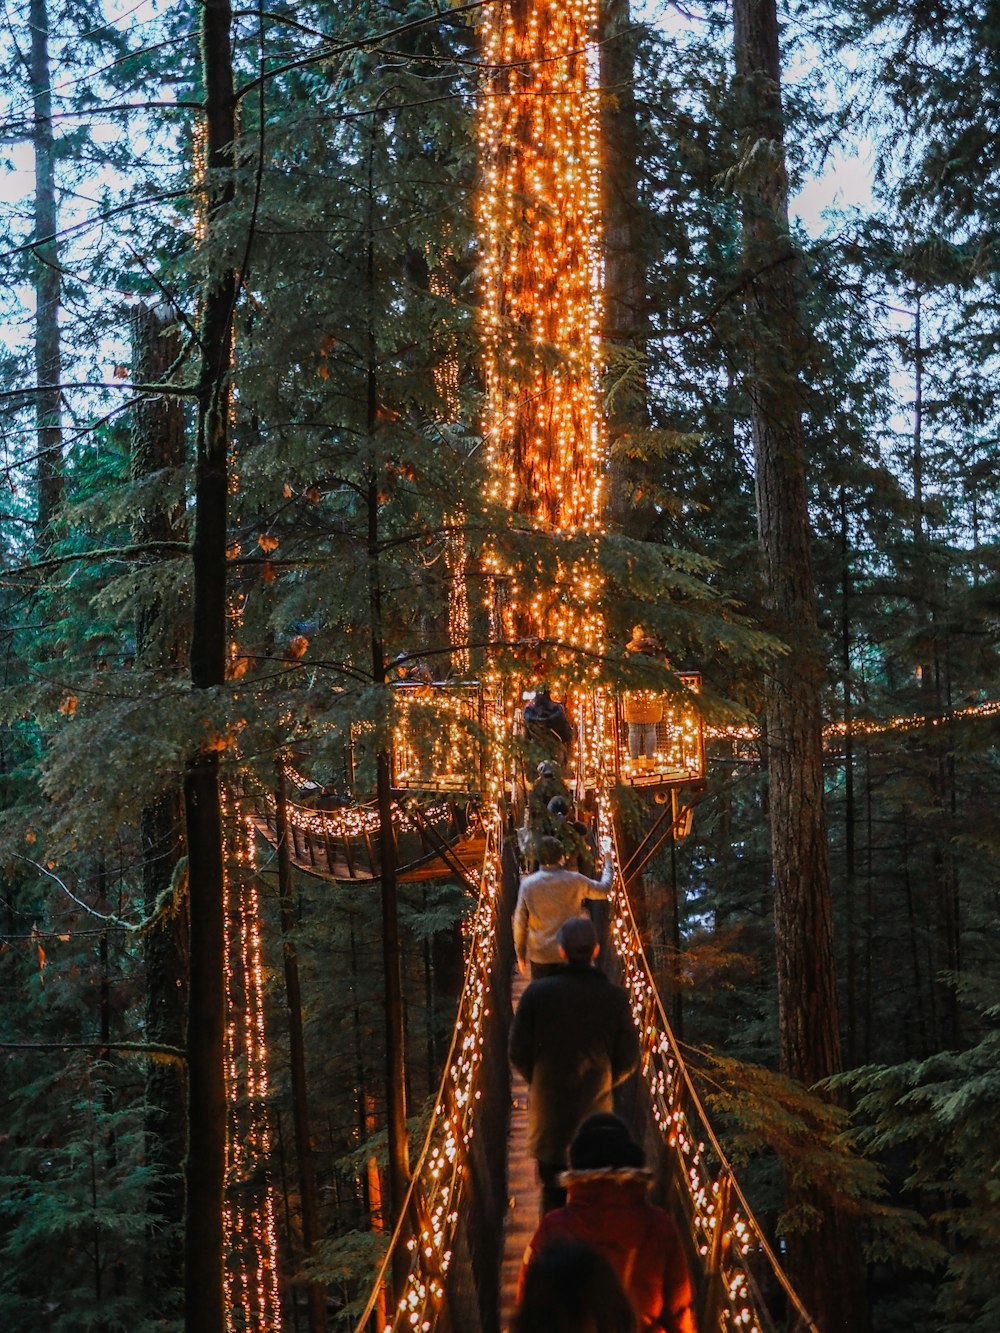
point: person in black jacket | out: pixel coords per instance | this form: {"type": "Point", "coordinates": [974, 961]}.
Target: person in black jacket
{"type": "Point", "coordinates": [572, 1040]}
{"type": "Point", "coordinates": [546, 723]}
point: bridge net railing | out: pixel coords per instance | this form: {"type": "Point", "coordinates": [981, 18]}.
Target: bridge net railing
{"type": "Point", "coordinates": [733, 1258]}
{"type": "Point", "coordinates": [452, 1271]}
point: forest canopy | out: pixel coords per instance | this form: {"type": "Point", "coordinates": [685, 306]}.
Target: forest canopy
{"type": "Point", "coordinates": [247, 492]}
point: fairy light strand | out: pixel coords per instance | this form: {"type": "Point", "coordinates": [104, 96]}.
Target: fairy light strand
{"type": "Point", "coordinates": [722, 1224]}
{"type": "Point", "coordinates": [253, 1301]}
{"type": "Point", "coordinates": [439, 1172]}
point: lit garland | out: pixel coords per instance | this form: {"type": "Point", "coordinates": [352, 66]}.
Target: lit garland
{"type": "Point", "coordinates": [456, 556]}
{"type": "Point", "coordinates": [435, 737]}
{"type": "Point", "coordinates": [252, 1297]}
{"type": "Point", "coordinates": [439, 1171]}
{"type": "Point", "coordinates": [870, 726]}
{"type": "Point", "coordinates": [679, 754]}
{"type": "Point", "coordinates": [724, 1229]}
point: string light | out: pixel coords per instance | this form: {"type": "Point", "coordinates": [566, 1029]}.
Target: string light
{"type": "Point", "coordinates": [870, 726]}
{"type": "Point", "coordinates": [723, 1228]}
{"type": "Point", "coordinates": [252, 1297]}
{"type": "Point", "coordinates": [679, 752]}
{"type": "Point", "coordinates": [436, 735]}
{"type": "Point", "coordinates": [539, 228]}
{"type": "Point", "coordinates": [456, 556]}
{"type": "Point", "coordinates": [440, 1168]}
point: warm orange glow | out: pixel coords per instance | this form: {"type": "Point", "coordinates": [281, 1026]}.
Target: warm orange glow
{"type": "Point", "coordinates": [540, 232]}
{"type": "Point", "coordinates": [252, 1299]}
{"type": "Point", "coordinates": [539, 224]}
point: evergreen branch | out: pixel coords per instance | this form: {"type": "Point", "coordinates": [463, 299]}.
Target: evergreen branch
{"type": "Point", "coordinates": [157, 1050]}
{"type": "Point", "coordinates": [149, 390]}
{"type": "Point", "coordinates": [105, 216]}
{"type": "Point", "coordinates": [92, 74]}
{"type": "Point", "coordinates": [341, 48]}
{"type": "Point", "coordinates": [95, 111]}
{"type": "Point", "coordinates": [25, 460]}
{"type": "Point", "coordinates": [109, 553]}
{"type": "Point", "coordinates": [101, 916]}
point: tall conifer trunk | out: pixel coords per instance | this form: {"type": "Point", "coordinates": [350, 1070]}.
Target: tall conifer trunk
{"type": "Point", "coordinates": [626, 316]}
{"type": "Point", "coordinates": [205, 1171]}
{"type": "Point", "coordinates": [395, 1037]}
{"type": "Point", "coordinates": [48, 284]}
{"type": "Point", "coordinates": [157, 451]}
{"type": "Point", "coordinates": [825, 1261]}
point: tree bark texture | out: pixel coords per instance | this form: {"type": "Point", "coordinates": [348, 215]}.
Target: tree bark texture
{"type": "Point", "coordinates": [48, 281]}
{"type": "Point", "coordinates": [157, 451]}
{"type": "Point", "coordinates": [205, 1172]}
{"type": "Point", "coordinates": [395, 1035]}
{"type": "Point", "coordinates": [826, 1261]}
{"type": "Point", "coordinates": [626, 315]}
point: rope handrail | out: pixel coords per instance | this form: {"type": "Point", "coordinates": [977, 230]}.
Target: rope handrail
{"type": "Point", "coordinates": [436, 1177]}
{"type": "Point", "coordinates": [726, 1240]}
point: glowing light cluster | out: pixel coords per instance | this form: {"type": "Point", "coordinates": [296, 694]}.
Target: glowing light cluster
{"type": "Point", "coordinates": [539, 225]}
{"type": "Point", "coordinates": [724, 1229]}
{"type": "Point", "coordinates": [871, 726]}
{"type": "Point", "coordinates": [456, 555]}
{"type": "Point", "coordinates": [679, 754]}
{"type": "Point", "coordinates": [353, 821]}
{"type": "Point", "coordinates": [446, 370]}
{"type": "Point", "coordinates": [252, 1298]}
{"type": "Point", "coordinates": [437, 737]}
{"type": "Point", "coordinates": [438, 1174]}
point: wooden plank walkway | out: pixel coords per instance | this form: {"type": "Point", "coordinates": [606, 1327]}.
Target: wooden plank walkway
{"type": "Point", "coordinates": [522, 1188]}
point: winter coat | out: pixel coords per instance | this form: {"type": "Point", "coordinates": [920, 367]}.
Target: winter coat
{"type": "Point", "coordinates": [544, 717]}
{"type": "Point", "coordinates": [545, 900]}
{"type": "Point", "coordinates": [642, 708]}
{"type": "Point", "coordinates": [608, 1210]}
{"type": "Point", "coordinates": [572, 1039]}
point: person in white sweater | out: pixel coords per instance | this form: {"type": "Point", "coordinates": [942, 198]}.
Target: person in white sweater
{"type": "Point", "coordinates": [546, 899]}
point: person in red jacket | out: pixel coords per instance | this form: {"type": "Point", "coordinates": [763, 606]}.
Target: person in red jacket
{"type": "Point", "coordinates": [607, 1208]}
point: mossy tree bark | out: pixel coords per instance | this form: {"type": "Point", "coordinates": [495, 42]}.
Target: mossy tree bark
{"type": "Point", "coordinates": [826, 1261]}
{"type": "Point", "coordinates": [157, 454]}
{"type": "Point", "coordinates": [48, 276]}
{"type": "Point", "coordinates": [626, 316]}
{"type": "Point", "coordinates": [205, 1168]}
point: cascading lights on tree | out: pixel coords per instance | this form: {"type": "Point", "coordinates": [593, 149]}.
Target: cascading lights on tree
{"type": "Point", "coordinates": [539, 226]}
{"type": "Point", "coordinates": [540, 230]}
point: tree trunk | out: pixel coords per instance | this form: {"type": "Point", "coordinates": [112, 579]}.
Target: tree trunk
{"type": "Point", "coordinates": [205, 1170]}
{"type": "Point", "coordinates": [48, 282]}
{"type": "Point", "coordinates": [395, 1041]}
{"type": "Point", "coordinates": [157, 449]}
{"type": "Point", "coordinates": [626, 317]}
{"type": "Point", "coordinates": [850, 868]}
{"type": "Point", "coordinates": [297, 1062]}
{"type": "Point", "coordinates": [825, 1261]}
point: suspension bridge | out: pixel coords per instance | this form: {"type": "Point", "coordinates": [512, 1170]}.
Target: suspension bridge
{"type": "Point", "coordinates": [470, 1200]}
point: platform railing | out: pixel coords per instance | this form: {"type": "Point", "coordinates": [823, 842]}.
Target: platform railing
{"type": "Point", "coordinates": [731, 1249]}
{"type": "Point", "coordinates": [452, 1280]}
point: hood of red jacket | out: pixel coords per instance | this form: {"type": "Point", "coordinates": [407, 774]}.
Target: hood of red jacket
{"type": "Point", "coordinates": [609, 1205]}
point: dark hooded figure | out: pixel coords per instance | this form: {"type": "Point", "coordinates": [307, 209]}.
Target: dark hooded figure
{"type": "Point", "coordinates": [572, 1040]}
{"type": "Point", "coordinates": [545, 720]}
